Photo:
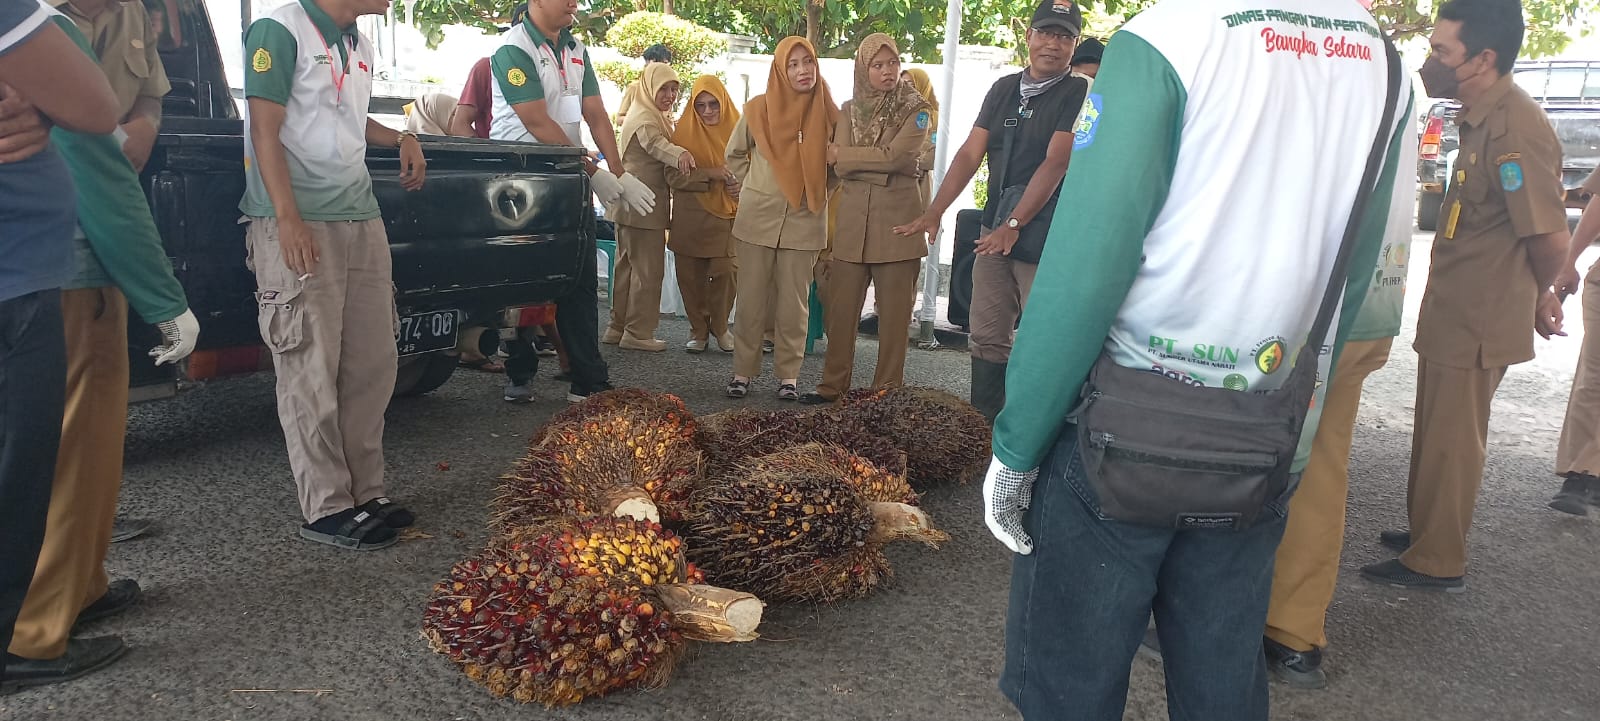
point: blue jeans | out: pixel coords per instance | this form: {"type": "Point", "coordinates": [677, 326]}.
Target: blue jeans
{"type": "Point", "coordinates": [1080, 602]}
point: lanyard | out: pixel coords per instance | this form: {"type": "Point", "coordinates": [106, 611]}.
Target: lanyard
{"type": "Point", "coordinates": [339, 76]}
{"type": "Point", "coordinates": [561, 66]}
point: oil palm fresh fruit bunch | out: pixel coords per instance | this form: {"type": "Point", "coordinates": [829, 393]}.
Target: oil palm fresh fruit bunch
{"type": "Point", "coordinates": [737, 435]}
{"type": "Point", "coordinates": [796, 525]}
{"type": "Point", "coordinates": [633, 399]}
{"type": "Point", "coordinates": [572, 611]}
{"type": "Point", "coordinates": [944, 438]}
{"type": "Point", "coordinates": [638, 462]}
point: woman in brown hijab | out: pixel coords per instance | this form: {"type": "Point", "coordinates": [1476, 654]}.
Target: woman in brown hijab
{"type": "Point", "coordinates": [876, 153]}
{"type": "Point", "coordinates": [647, 152]}
{"type": "Point", "coordinates": [705, 201]}
{"type": "Point", "coordinates": [779, 154]}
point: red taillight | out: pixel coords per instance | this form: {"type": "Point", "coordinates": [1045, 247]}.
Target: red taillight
{"type": "Point", "coordinates": [1430, 139]}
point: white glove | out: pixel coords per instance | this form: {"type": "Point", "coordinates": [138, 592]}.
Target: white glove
{"type": "Point", "coordinates": [1006, 494]}
{"type": "Point", "coordinates": [179, 336]}
{"type": "Point", "coordinates": [606, 187]}
{"type": "Point", "coordinates": [636, 195]}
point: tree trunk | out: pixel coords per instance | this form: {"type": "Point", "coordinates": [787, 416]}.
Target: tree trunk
{"type": "Point", "coordinates": [667, 8]}
{"type": "Point", "coordinates": [813, 21]}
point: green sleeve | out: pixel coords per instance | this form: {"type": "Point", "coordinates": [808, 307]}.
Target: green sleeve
{"type": "Point", "coordinates": [1122, 167]}
{"type": "Point", "coordinates": [517, 75]}
{"type": "Point", "coordinates": [591, 83]}
{"type": "Point", "coordinates": [1369, 241]}
{"type": "Point", "coordinates": [269, 53]}
{"type": "Point", "coordinates": [114, 215]}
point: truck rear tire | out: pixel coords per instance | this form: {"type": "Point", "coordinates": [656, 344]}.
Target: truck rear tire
{"type": "Point", "coordinates": [1428, 205]}
{"type": "Point", "coordinates": [421, 374]}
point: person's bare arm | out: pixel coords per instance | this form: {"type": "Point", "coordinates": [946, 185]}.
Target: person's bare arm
{"type": "Point", "coordinates": [461, 121]}
{"type": "Point", "coordinates": [300, 250]}
{"type": "Point", "coordinates": [413, 168]}
{"type": "Point", "coordinates": [1586, 234]}
{"type": "Point", "coordinates": [142, 125]}
{"type": "Point", "coordinates": [605, 135]}
{"type": "Point", "coordinates": [61, 81]}
{"type": "Point", "coordinates": [1040, 188]}
{"type": "Point", "coordinates": [962, 167]}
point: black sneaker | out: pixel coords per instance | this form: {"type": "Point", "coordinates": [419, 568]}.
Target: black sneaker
{"type": "Point", "coordinates": [1578, 493]}
{"type": "Point", "coordinates": [83, 657]}
{"type": "Point", "coordinates": [544, 347]}
{"type": "Point", "coordinates": [579, 395]}
{"type": "Point", "coordinates": [1395, 573]}
{"type": "Point", "coordinates": [1399, 541]}
{"type": "Point", "coordinates": [1300, 669]}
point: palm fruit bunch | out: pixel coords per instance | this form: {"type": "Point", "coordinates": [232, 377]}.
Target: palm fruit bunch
{"type": "Point", "coordinates": [634, 459]}
{"type": "Point", "coordinates": [633, 399]}
{"type": "Point", "coordinates": [944, 438]}
{"type": "Point", "coordinates": [737, 435]}
{"type": "Point", "coordinates": [573, 610]}
{"type": "Point", "coordinates": [803, 524]}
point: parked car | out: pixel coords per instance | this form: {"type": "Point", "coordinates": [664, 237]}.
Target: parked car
{"type": "Point", "coordinates": [1568, 90]}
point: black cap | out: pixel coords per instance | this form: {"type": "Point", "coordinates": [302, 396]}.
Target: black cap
{"type": "Point", "coordinates": [1089, 51]}
{"type": "Point", "coordinates": [518, 13]}
{"type": "Point", "coordinates": [1058, 14]}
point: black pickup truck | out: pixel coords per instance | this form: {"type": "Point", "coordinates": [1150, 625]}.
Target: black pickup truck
{"type": "Point", "coordinates": [1569, 92]}
{"type": "Point", "coordinates": [497, 232]}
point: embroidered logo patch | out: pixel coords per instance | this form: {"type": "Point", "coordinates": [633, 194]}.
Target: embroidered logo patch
{"type": "Point", "coordinates": [922, 120]}
{"type": "Point", "coordinates": [516, 77]}
{"type": "Point", "coordinates": [1269, 355]}
{"type": "Point", "coordinates": [1511, 176]}
{"type": "Point", "coordinates": [1088, 122]}
{"type": "Point", "coordinates": [261, 61]}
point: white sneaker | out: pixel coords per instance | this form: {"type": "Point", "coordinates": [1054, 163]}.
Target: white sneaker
{"type": "Point", "coordinates": [695, 346]}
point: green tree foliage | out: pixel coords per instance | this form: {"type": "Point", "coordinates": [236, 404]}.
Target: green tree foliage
{"type": "Point", "coordinates": [918, 25]}
{"type": "Point", "coordinates": [691, 44]}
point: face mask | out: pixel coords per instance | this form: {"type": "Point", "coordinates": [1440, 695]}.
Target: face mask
{"type": "Point", "coordinates": [1440, 80]}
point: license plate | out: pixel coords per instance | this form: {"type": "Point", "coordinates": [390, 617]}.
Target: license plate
{"type": "Point", "coordinates": [427, 332]}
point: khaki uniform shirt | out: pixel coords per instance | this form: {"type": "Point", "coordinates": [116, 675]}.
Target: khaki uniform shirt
{"type": "Point", "coordinates": [647, 156]}
{"type": "Point", "coordinates": [697, 233]}
{"type": "Point", "coordinates": [765, 217]}
{"type": "Point", "coordinates": [127, 48]}
{"type": "Point", "coordinates": [880, 189]}
{"type": "Point", "coordinates": [1477, 311]}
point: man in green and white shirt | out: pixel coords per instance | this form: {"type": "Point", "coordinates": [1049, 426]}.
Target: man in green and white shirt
{"type": "Point", "coordinates": [1196, 253]}
{"type": "Point", "coordinates": [317, 245]}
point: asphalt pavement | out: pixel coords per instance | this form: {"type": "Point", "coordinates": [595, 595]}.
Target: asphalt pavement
{"type": "Point", "coordinates": [243, 621]}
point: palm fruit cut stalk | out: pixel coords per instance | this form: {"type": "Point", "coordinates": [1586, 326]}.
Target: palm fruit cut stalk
{"type": "Point", "coordinates": [944, 438]}
{"type": "Point", "coordinates": [635, 462]}
{"type": "Point", "coordinates": [737, 435]}
{"type": "Point", "coordinates": [797, 526]}
{"type": "Point", "coordinates": [565, 613]}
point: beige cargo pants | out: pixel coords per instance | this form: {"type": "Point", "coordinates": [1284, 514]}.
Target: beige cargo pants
{"type": "Point", "coordinates": [332, 339]}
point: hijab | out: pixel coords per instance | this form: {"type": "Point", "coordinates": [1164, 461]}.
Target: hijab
{"type": "Point", "coordinates": [792, 130]}
{"type": "Point", "coordinates": [924, 85]}
{"type": "Point", "coordinates": [876, 114]}
{"type": "Point", "coordinates": [709, 143]}
{"type": "Point", "coordinates": [644, 111]}
{"type": "Point", "coordinates": [430, 114]}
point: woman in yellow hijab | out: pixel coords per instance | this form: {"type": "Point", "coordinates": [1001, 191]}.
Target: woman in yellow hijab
{"type": "Point", "coordinates": [705, 201]}
{"type": "Point", "coordinates": [779, 155]}
{"type": "Point", "coordinates": [647, 151]}
{"type": "Point", "coordinates": [920, 80]}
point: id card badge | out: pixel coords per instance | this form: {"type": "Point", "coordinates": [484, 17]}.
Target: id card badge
{"type": "Point", "coordinates": [1455, 207]}
{"type": "Point", "coordinates": [570, 109]}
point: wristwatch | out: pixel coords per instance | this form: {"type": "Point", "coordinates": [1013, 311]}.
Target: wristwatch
{"type": "Point", "coordinates": [400, 139]}
{"type": "Point", "coordinates": [1014, 224]}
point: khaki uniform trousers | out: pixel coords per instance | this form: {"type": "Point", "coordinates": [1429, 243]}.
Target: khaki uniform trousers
{"type": "Point", "coordinates": [332, 339]}
{"type": "Point", "coordinates": [772, 283]}
{"type": "Point", "coordinates": [1307, 566]}
{"type": "Point", "coordinates": [707, 288]}
{"type": "Point", "coordinates": [1449, 444]}
{"type": "Point", "coordinates": [640, 267]}
{"type": "Point", "coordinates": [1000, 288]}
{"type": "Point", "coordinates": [83, 498]}
{"type": "Point", "coordinates": [1579, 451]}
{"type": "Point", "coordinates": [896, 285]}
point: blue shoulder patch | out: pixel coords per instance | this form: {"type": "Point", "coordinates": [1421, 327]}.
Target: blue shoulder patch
{"type": "Point", "coordinates": [922, 120]}
{"type": "Point", "coordinates": [1511, 176]}
{"type": "Point", "coordinates": [1088, 122]}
